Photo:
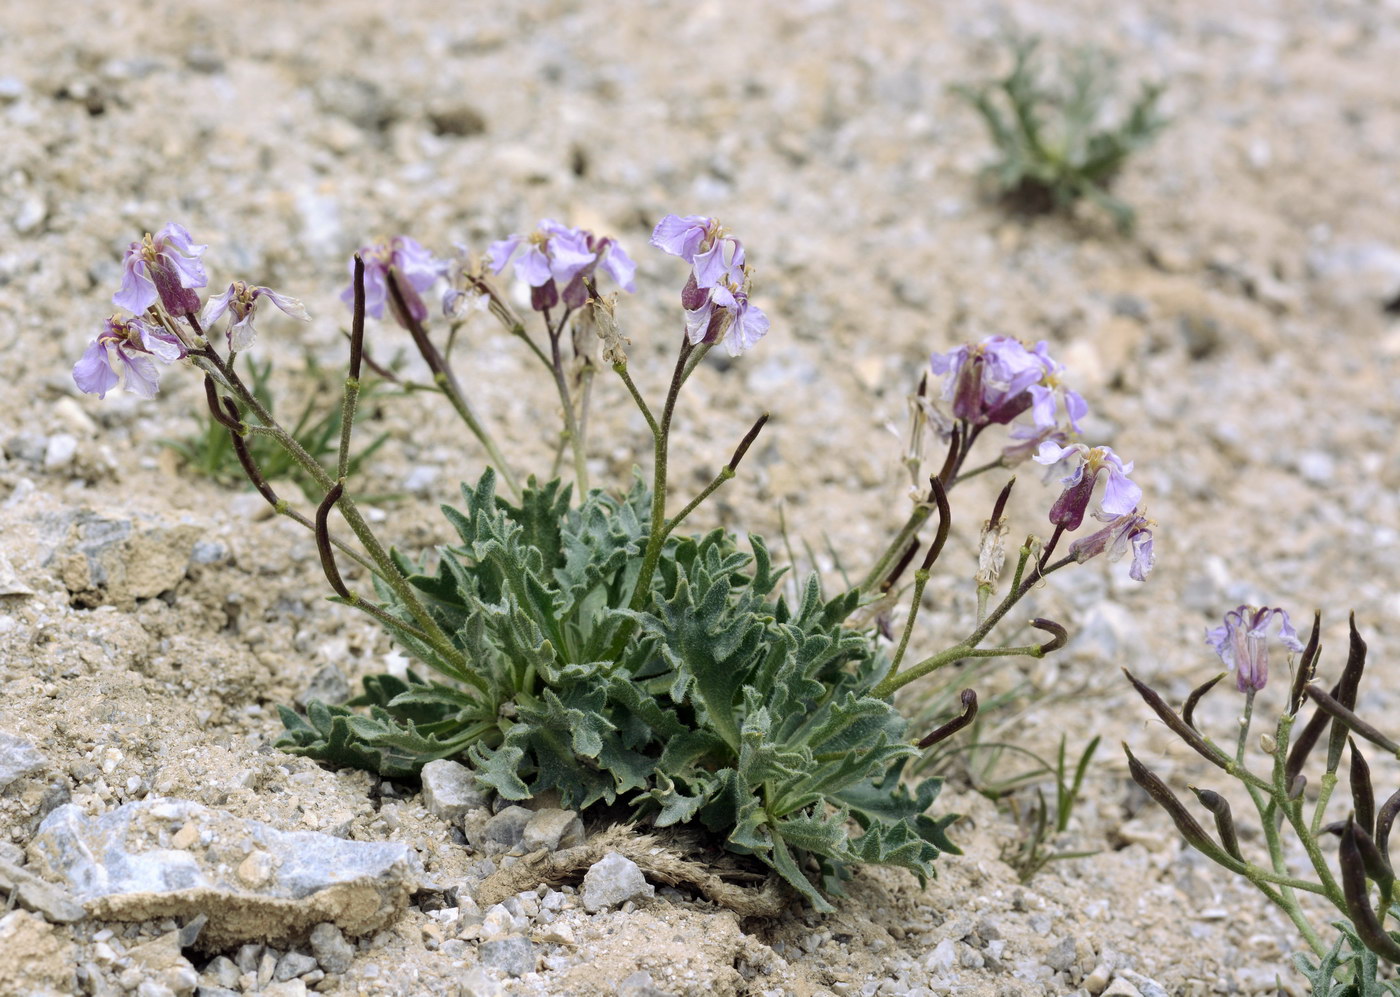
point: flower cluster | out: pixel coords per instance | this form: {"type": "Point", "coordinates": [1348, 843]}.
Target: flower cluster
{"type": "Point", "coordinates": [716, 295]}
{"type": "Point", "coordinates": [415, 269]}
{"type": "Point", "coordinates": [1242, 642]}
{"type": "Point", "coordinates": [996, 380]}
{"type": "Point", "coordinates": [160, 275]}
{"type": "Point", "coordinates": [238, 302]}
{"type": "Point", "coordinates": [162, 267]}
{"type": "Point", "coordinates": [557, 256]}
{"type": "Point", "coordinates": [123, 356]}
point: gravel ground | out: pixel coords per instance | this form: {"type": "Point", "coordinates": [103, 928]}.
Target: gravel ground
{"type": "Point", "coordinates": [1243, 347]}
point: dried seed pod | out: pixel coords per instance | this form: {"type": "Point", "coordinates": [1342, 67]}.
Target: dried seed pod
{"type": "Point", "coordinates": [1350, 720]}
{"type": "Point", "coordinates": [1179, 727]}
{"type": "Point", "coordinates": [1307, 664]}
{"type": "Point", "coordinates": [1363, 915]}
{"type": "Point", "coordinates": [1186, 825]}
{"type": "Point", "coordinates": [1306, 740]}
{"type": "Point", "coordinates": [1346, 695]}
{"type": "Point", "coordinates": [1197, 694]}
{"type": "Point", "coordinates": [969, 713]}
{"type": "Point", "coordinates": [1224, 819]}
{"type": "Point", "coordinates": [1363, 797]}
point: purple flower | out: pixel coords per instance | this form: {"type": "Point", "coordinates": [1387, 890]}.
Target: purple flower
{"type": "Point", "coordinates": [238, 301]}
{"type": "Point", "coordinates": [416, 270]}
{"type": "Point", "coordinates": [996, 380]}
{"type": "Point", "coordinates": [1242, 643]}
{"type": "Point", "coordinates": [1049, 391]}
{"type": "Point", "coordinates": [988, 382]}
{"type": "Point", "coordinates": [1132, 530]}
{"type": "Point", "coordinates": [716, 294]}
{"type": "Point", "coordinates": [683, 235]}
{"type": "Point", "coordinates": [727, 316]}
{"type": "Point", "coordinates": [1120, 497]}
{"type": "Point", "coordinates": [123, 355]}
{"type": "Point", "coordinates": [164, 266]}
{"type": "Point", "coordinates": [558, 256]}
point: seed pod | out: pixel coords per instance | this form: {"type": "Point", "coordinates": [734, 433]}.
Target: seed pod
{"type": "Point", "coordinates": [1348, 719]}
{"type": "Point", "coordinates": [1368, 927]}
{"type": "Point", "coordinates": [1385, 819]}
{"type": "Point", "coordinates": [1179, 727]}
{"type": "Point", "coordinates": [1363, 797]}
{"type": "Point", "coordinates": [1346, 695]}
{"type": "Point", "coordinates": [1224, 819]}
{"type": "Point", "coordinates": [1306, 740]}
{"type": "Point", "coordinates": [1307, 664]}
{"type": "Point", "coordinates": [1197, 694]}
{"type": "Point", "coordinates": [1186, 825]}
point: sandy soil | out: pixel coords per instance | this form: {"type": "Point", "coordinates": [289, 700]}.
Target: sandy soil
{"type": "Point", "coordinates": [1243, 347]}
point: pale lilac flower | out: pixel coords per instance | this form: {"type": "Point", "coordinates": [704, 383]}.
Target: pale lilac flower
{"type": "Point", "coordinates": [238, 301]}
{"type": "Point", "coordinates": [165, 267]}
{"type": "Point", "coordinates": [123, 355]}
{"type": "Point", "coordinates": [415, 267]}
{"type": "Point", "coordinates": [683, 235]}
{"type": "Point", "coordinates": [559, 256]}
{"type": "Point", "coordinates": [988, 381]}
{"type": "Point", "coordinates": [1132, 530]}
{"type": "Point", "coordinates": [1049, 391]}
{"type": "Point", "coordinates": [1120, 496]}
{"type": "Point", "coordinates": [727, 316]}
{"type": "Point", "coordinates": [1242, 643]}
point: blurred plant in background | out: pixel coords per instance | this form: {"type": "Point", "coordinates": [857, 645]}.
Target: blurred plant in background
{"type": "Point", "coordinates": [1051, 130]}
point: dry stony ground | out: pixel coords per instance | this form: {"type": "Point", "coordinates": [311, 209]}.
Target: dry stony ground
{"type": "Point", "coordinates": [1238, 347]}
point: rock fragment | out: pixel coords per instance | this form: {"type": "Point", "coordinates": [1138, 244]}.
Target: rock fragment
{"type": "Point", "coordinates": [123, 866]}
{"type": "Point", "coordinates": [450, 789]}
{"type": "Point", "coordinates": [18, 759]}
{"type": "Point", "coordinates": [54, 903]}
{"type": "Point", "coordinates": [331, 949]}
{"type": "Point", "coordinates": [501, 833]}
{"type": "Point", "coordinates": [612, 880]}
{"type": "Point", "coordinates": [552, 829]}
{"type": "Point", "coordinates": [513, 954]}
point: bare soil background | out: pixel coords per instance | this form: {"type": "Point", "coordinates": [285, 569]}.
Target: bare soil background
{"type": "Point", "coordinates": [1243, 347]}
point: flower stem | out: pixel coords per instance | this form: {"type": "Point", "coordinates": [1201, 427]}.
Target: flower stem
{"type": "Point", "coordinates": [447, 383]}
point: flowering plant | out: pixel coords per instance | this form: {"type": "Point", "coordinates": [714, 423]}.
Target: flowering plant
{"type": "Point", "coordinates": [577, 640]}
{"type": "Point", "coordinates": [1282, 799]}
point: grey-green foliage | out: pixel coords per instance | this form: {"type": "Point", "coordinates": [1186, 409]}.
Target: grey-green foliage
{"type": "Point", "coordinates": [1054, 145]}
{"type": "Point", "coordinates": [1359, 968]}
{"type": "Point", "coordinates": [715, 702]}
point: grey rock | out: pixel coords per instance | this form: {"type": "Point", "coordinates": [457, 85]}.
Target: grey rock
{"type": "Point", "coordinates": [513, 954]}
{"type": "Point", "coordinates": [222, 972]}
{"type": "Point", "coordinates": [1145, 985]}
{"type": "Point", "coordinates": [62, 447]}
{"type": "Point", "coordinates": [328, 685]}
{"type": "Point", "coordinates": [209, 552]}
{"type": "Point", "coordinates": [614, 879]}
{"type": "Point", "coordinates": [478, 982]}
{"type": "Point", "coordinates": [1062, 956]}
{"type": "Point", "coordinates": [204, 991]}
{"type": "Point", "coordinates": [450, 789]}
{"type": "Point", "coordinates": [117, 560]}
{"type": "Point", "coordinates": [55, 904]}
{"type": "Point", "coordinates": [292, 965]}
{"type": "Point", "coordinates": [248, 957]}
{"type": "Point", "coordinates": [10, 583]}
{"type": "Point", "coordinates": [11, 88]}
{"type": "Point", "coordinates": [501, 833]}
{"type": "Point", "coordinates": [640, 984]}
{"type": "Point", "coordinates": [552, 830]}
{"type": "Point", "coordinates": [331, 949]}
{"type": "Point", "coordinates": [18, 759]}
{"type": "Point", "coordinates": [174, 858]}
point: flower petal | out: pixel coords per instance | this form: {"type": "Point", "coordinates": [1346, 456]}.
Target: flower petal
{"type": "Point", "coordinates": [93, 373]}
